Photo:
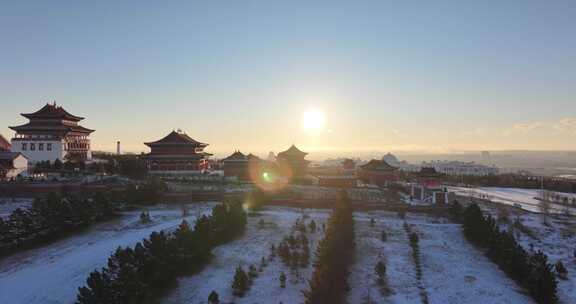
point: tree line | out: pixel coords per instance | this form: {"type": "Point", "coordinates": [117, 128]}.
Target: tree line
{"type": "Point", "coordinates": [530, 270]}
{"type": "Point", "coordinates": [138, 274]}
{"type": "Point", "coordinates": [49, 218]}
{"type": "Point", "coordinates": [334, 255]}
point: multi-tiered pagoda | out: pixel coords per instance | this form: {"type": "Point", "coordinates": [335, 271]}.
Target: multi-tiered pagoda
{"type": "Point", "coordinates": [177, 154]}
{"type": "Point", "coordinates": [294, 160]}
{"type": "Point", "coordinates": [52, 134]}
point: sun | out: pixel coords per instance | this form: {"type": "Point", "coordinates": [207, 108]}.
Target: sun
{"type": "Point", "coordinates": [313, 121]}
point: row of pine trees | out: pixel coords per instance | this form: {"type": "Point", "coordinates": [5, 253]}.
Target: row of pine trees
{"type": "Point", "coordinates": [530, 270]}
{"type": "Point", "coordinates": [334, 255]}
{"type": "Point", "coordinates": [137, 275]}
{"type": "Point", "coordinates": [50, 218]}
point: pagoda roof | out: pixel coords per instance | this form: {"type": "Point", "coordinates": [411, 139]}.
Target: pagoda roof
{"type": "Point", "coordinates": [52, 111]}
{"type": "Point", "coordinates": [292, 152]}
{"type": "Point", "coordinates": [177, 156]}
{"type": "Point", "coordinates": [252, 157]}
{"type": "Point", "coordinates": [51, 128]}
{"type": "Point", "coordinates": [377, 165]}
{"type": "Point", "coordinates": [428, 171]}
{"type": "Point", "coordinates": [176, 138]}
{"type": "Point", "coordinates": [236, 156]}
{"type": "Point", "coordinates": [4, 143]}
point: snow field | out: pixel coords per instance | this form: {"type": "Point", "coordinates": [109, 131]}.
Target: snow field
{"type": "Point", "coordinates": [453, 270]}
{"type": "Point", "coordinates": [248, 250]}
{"type": "Point", "coordinates": [53, 273]}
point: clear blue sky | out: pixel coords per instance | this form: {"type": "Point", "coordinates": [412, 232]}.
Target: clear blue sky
{"type": "Point", "coordinates": [389, 75]}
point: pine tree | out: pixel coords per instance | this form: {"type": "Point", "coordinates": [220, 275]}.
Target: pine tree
{"type": "Point", "coordinates": [263, 264]}
{"type": "Point", "coordinates": [240, 282]}
{"type": "Point", "coordinates": [312, 226]}
{"type": "Point", "coordinates": [282, 280]}
{"type": "Point", "coordinates": [380, 270]}
{"type": "Point", "coordinates": [213, 298]}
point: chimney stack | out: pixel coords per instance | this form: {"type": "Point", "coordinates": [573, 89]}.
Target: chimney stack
{"type": "Point", "coordinates": [118, 148]}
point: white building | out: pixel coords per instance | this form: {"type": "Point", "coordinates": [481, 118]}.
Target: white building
{"type": "Point", "coordinates": [52, 133]}
{"type": "Point", "coordinates": [461, 168]}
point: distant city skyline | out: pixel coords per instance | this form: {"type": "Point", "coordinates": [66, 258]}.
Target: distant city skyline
{"type": "Point", "coordinates": [381, 76]}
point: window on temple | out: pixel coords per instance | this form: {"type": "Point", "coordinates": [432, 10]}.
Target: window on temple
{"type": "Point", "coordinates": [32, 146]}
{"type": "Point", "coordinates": [41, 146]}
{"type": "Point", "coordinates": [48, 147]}
{"type": "Point", "coordinates": [24, 146]}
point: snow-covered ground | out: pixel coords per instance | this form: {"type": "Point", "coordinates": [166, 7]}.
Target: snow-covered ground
{"type": "Point", "coordinates": [453, 270]}
{"type": "Point", "coordinates": [557, 240]}
{"type": "Point", "coordinates": [53, 273]}
{"type": "Point", "coordinates": [8, 205]}
{"type": "Point", "coordinates": [523, 198]}
{"type": "Point", "coordinates": [248, 250]}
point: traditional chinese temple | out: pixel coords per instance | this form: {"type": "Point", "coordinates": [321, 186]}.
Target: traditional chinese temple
{"type": "Point", "coordinates": [178, 154]}
{"type": "Point", "coordinates": [240, 165]}
{"type": "Point", "coordinates": [428, 187]}
{"type": "Point", "coordinates": [377, 172]}
{"type": "Point", "coordinates": [293, 160]}
{"type": "Point", "coordinates": [52, 133]}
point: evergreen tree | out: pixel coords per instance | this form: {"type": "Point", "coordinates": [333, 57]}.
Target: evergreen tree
{"type": "Point", "coordinates": [282, 280]}
{"type": "Point", "coordinates": [334, 255]}
{"type": "Point", "coordinates": [213, 298]}
{"type": "Point", "coordinates": [312, 226]}
{"type": "Point", "coordinates": [380, 270]}
{"type": "Point", "coordinates": [240, 282]}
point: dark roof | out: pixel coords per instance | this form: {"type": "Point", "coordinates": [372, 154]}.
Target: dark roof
{"type": "Point", "coordinates": [52, 111]}
{"type": "Point", "coordinates": [428, 171]}
{"type": "Point", "coordinates": [4, 144]}
{"type": "Point", "coordinates": [292, 152]}
{"type": "Point", "coordinates": [252, 157]}
{"type": "Point", "coordinates": [377, 165]}
{"type": "Point", "coordinates": [31, 126]}
{"type": "Point", "coordinates": [177, 138]}
{"type": "Point", "coordinates": [194, 156]}
{"type": "Point", "coordinates": [236, 156]}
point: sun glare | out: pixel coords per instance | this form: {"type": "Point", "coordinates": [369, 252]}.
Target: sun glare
{"type": "Point", "coordinates": [313, 121]}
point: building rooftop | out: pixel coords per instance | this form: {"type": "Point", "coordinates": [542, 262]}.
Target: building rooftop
{"type": "Point", "coordinates": [236, 156]}
{"type": "Point", "coordinates": [52, 111]}
{"type": "Point", "coordinates": [176, 138]}
{"type": "Point", "coordinates": [292, 152]}
{"type": "Point", "coordinates": [377, 165]}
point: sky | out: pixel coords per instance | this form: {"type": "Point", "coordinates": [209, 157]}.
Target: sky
{"type": "Point", "coordinates": [418, 76]}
